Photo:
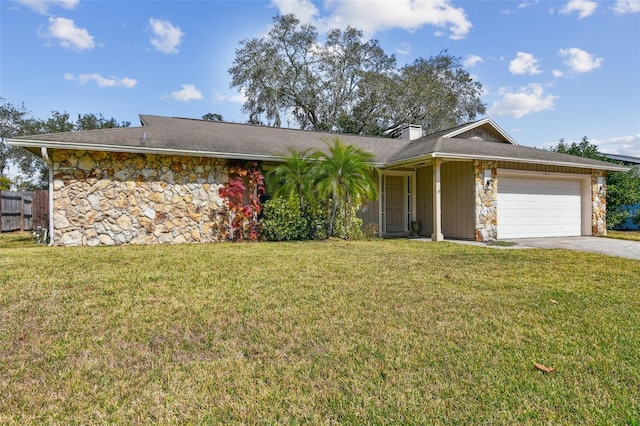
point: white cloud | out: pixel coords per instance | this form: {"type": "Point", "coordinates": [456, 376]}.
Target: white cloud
{"type": "Point", "coordinates": [68, 35]}
{"type": "Point", "coordinates": [583, 7]}
{"type": "Point", "coordinates": [526, 100]}
{"type": "Point", "coordinates": [404, 49]}
{"type": "Point", "coordinates": [624, 145]}
{"type": "Point", "coordinates": [101, 81]}
{"type": "Point", "coordinates": [189, 92]}
{"type": "Point", "coordinates": [166, 37]}
{"type": "Point", "coordinates": [520, 6]}
{"type": "Point", "coordinates": [524, 63]}
{"type": "Point", "coordinates": [472, 61]}
{"type": "Point", "coordinates": [557, 73]}
{"type": "Point", "coordinates": [221, 97]}
{"type": "Point", "coordinates": [304, 10]}
{"type": "Point", "coordinates": [626, 6]}
{"type": "Point", "coordinates": [579, 60]}
{"type": "Point", "coordinates": [42, 6]}
{"type": "Point", "coordinates": [381, 15]}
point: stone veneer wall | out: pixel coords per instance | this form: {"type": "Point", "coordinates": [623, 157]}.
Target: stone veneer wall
{"type": "Point", "coordinates": [598, 204]}
{"type": "Point", "coordinates": [486, 200]}
{"type": "Point", "coordinates": [112, 198]}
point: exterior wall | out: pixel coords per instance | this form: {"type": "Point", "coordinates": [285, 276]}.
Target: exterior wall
{"type": "Point", "coordinates": [598, 204]}
{"type": "Point", "coordinates": [486, 201]}
{"type": "Point", "coordinates": [424, 200]}
{"type": "Point", "coordinates": [457, 200]}
{"type": "Point", "coordinates": [103, 198]}
{"type": "Point", "coordinates": [370, 213]}
{"type": "Point", "coordinates": [540, 168]}
{"type": "Point", "coordinates": [485, 133]}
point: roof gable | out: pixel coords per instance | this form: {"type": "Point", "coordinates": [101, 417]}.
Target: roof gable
{"type": "Point", "coordinates": [485, 130]}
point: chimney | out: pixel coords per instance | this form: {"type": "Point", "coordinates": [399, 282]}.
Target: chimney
{"type": "Point", "coordinates": [411, 131]}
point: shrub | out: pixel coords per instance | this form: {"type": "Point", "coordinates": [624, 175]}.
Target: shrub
{"type": "Point", "coordinates": [5, 183]}
{"type": "Point", "coordinates": [283, 221]}
{"type": "Point", "coordinates": [347, 224]}
{"type": "Point", "coordinates": [242, 193]}
{"type": "Point", "coordinates": [316, 217]}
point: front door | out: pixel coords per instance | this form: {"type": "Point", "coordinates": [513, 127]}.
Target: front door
{"type": "Point", "coordinates": [394, 209]}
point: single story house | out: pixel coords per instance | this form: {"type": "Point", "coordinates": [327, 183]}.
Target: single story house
{"type": "Point", "coordinates": [158, 183]}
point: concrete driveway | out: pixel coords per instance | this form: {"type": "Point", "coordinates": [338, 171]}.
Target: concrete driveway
{"type": "Point", "coordinates": [608, 246]}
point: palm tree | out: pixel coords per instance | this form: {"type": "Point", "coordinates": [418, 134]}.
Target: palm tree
{"type": "Point", "coordinates": [293, 178]}
{"type": "Point", "coordinates": [344, 175]}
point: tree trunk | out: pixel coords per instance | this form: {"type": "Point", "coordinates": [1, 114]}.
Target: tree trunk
{"type": "Point", "coordinates": [332, 218]}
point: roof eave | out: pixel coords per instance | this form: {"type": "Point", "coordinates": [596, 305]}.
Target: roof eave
{"type": "Point", "coordinates": [31, 143]}
{"type": "Point", "coordinates": [141, 150]}
{"type": "Point", "coordinates": [467, 157]}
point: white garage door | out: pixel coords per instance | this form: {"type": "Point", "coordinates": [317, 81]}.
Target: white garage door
{"type": "Point", "coordinates": [534, 207]}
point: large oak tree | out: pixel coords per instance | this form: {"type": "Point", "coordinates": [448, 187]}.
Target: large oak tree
{"type": "Point", "coordinates": [348, 84]}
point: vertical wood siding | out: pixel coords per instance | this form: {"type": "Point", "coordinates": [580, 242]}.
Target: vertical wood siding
{"type": "Point", "coordinates": [541, 168]}
{"type": "Point", "coordinates": [458, 200]}
{"type": "Point", "coordinates": [369, 213]}
{"type": "Point", "coordinates": [424, 200]}
{"type": "Point", "coordinates": [486, 133]}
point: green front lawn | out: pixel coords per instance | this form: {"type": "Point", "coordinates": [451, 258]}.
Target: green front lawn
{"type": "Point", "coordinates": [624, 235]}
{"type": "Point", "coordinates": [377, 332]}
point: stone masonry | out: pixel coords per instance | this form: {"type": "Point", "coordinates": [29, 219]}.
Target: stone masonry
{"type": "Point", "coordinates": [486, 200]}
{"type": "Point", "coordinates": [598, 203]}
{"type": "Point", "coordinates": [113, 198]}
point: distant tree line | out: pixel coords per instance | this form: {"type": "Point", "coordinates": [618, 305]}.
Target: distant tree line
{"type": "Point", "coordinates": [623, 188]}
{"type": "Point", "coordinates": [16, 120]}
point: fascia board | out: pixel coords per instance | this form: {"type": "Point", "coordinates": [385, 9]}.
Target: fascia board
{"type": "Point", "coordinates": [140, 150]}
{"type": "Point", "coordinates": [29, 143]}
{"type": "Point", "coordinates": [612, 167]}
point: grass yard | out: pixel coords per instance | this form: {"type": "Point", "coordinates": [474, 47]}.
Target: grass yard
{"type": "Point", "coordinates": [376, 332]}
{"type": "Point", "coordinates": [624, 235]}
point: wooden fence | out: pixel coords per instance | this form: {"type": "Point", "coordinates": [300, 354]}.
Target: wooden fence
{"type": "Point", "coordinates": [23, 210]}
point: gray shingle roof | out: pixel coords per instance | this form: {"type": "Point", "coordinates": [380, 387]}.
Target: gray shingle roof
{"type": "Point", "coordinates": [467, 148]}
{"type": "Point", "coordinates": [625, 159]}
{"type": "Point", "coordinates": [231, 140]}
{"type": "Point", "coordinates": [211, 138]}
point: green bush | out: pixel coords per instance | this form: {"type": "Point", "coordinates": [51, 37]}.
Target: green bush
{"type": "Point", "coordinates": [5, 183]}
{"type": "Point", "coordinates": [348, 225]}
{"type": "Point", "coordinates": [283, 221]}
{"type": "Point", "coordinates": [316, 217]}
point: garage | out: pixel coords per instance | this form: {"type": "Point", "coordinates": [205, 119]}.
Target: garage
{"type": "Point", "coordinates": [536, 206]}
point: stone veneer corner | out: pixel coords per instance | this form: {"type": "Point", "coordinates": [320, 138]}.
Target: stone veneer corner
{"type": "Point", "coordinates": [486, 199]}
{"type": "Point", "coordinates": [598, 204]}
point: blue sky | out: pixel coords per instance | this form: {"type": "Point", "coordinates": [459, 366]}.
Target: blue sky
{"type": "Point", "coordinates": [550, 69]}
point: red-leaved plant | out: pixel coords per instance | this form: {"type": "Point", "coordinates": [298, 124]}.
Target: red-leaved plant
{"type": "Point", "coordinates": [242, 193]}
